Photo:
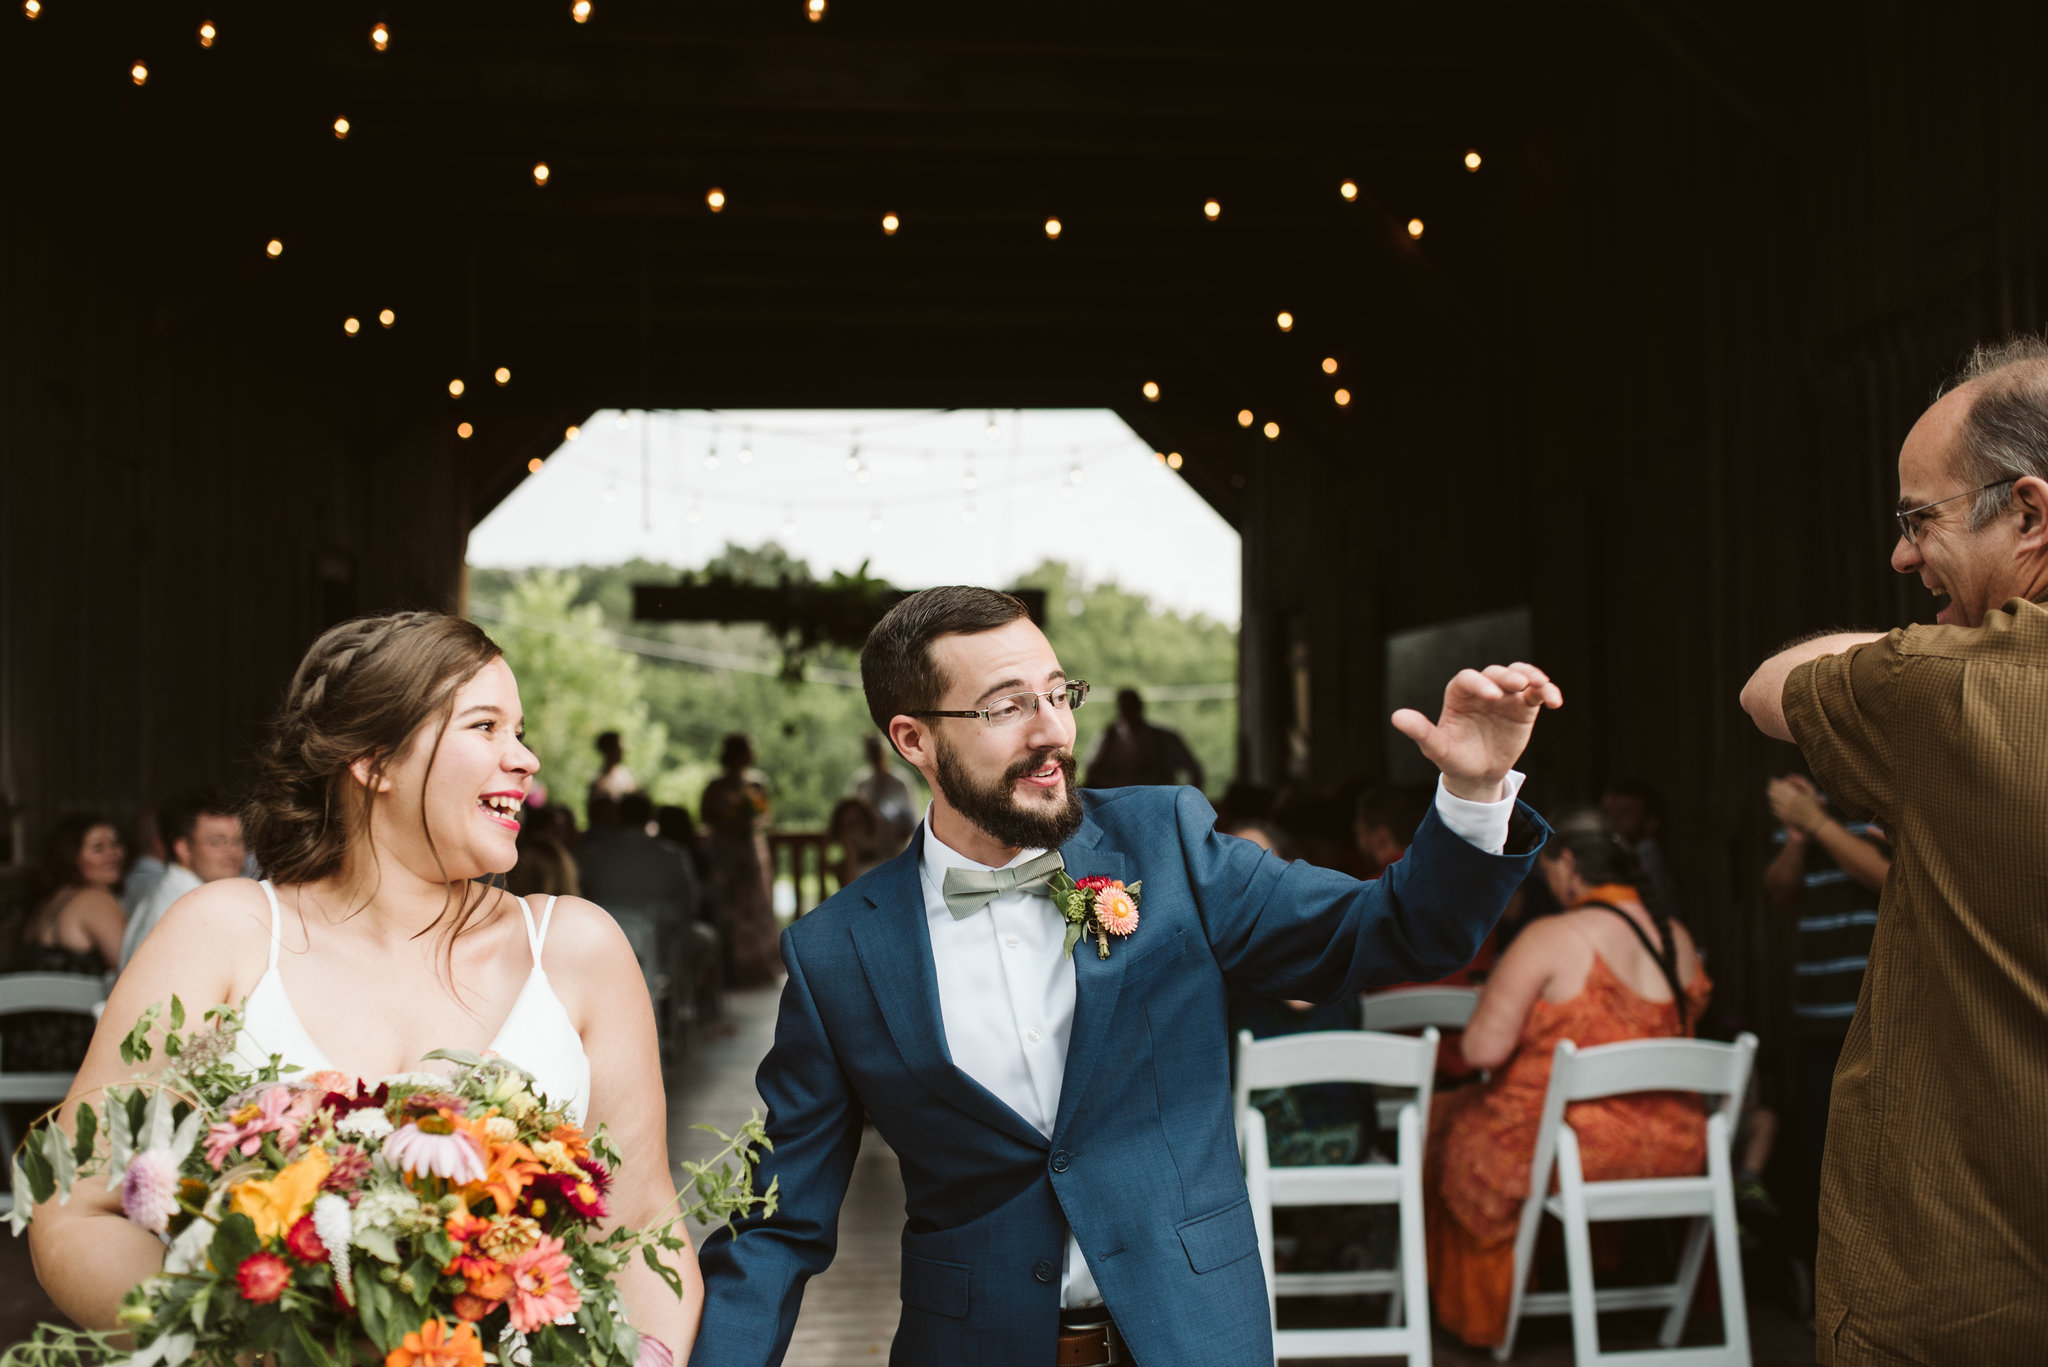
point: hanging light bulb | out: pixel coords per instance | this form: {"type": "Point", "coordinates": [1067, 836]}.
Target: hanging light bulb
{"type": "Point", "coordinates": [1052, 228]}
{"type": "Point", "coordinates": [611, 493]}
{"type": "Point", "coordinates": [875, 519]}
{"type": "Point", "coordinates": [387, 317]}
{"type": "Point", "coordinates": [1472, 160]}
{"type": "Point", "coordinates": [814, 10]}
{"type": "Point", "coordinates": [1075, 473]}
{"type": "Point", "coordinates": [1212, 211]}
{"type": "Point", "coordinates": [572, 432]}
{"type": "Point", "coordinates": [1349, 189]}
{"type": "Point", "coordinates": [1244, 417]}
{"type": "Point", "coordinates": [1415, 227]}
{"type": "Point", "coordinates": [503, 375]}
{"type": "Point", "coordinates": [747, 446]}
{"type": "Point", "coordinates": [860, 476]}
{"type": "Point", "coordinates": [273, 249]}
{"type": "Point", "coordinates": [351, 326]}
{"type": "Point", "coordinates": [1159, 459]}
{"type": "Point", "coordinates": [32, 9]}
{"type": "Point", "coordinates": [1343, 397]}
{"type": "Point", "coordinates": [341, 130]}
{"type": "Point", "coordinates": [789, 523]}
{"type": "Point", "coordinates": [1152, 391]}
{"type": "Point", "coordinates": [968, 481]}
{"type": "Point", "coordinates": [1272, 431]}
{"type": "Point", "coordinates": [464, 430]}
{"type": "Point", "coordinates": [994, 431]}
{"type": "Point", "coordinates": [139, 74]}
{"type": "Point", "coordinates": [624, 420]}
{"type": "Point", "coordinates": [455, 388]}
{"type": "Point", "coordinates": [715, 199]}
{"type": "Point", "coordinates": [380, 37]}
{"type": "Point", "coordinates": [890, 223]}
{"type": "Point", "coordinates": [533, 466]}
{"type": "Point", "coordinates": [580, 11]}
{"type": "Point", "coordinates": [853, 455]}
{"type": "Point", "coordinates": [207, 33]}
{"type": "Point", "coordinates": [540, 173]}
{"type": "Point", "coordinates": [694, 514]}
{"type": "Point", "coordinates": [967, 515]}
{"type": "Point", "coordinates": [1329, 365]}
{"type": "Point", "coordinates": [1285, 320]}
{"type": "Point", "coordinates": [711, 454]}
{"type": "Point", "coordinates": [1173, 461]}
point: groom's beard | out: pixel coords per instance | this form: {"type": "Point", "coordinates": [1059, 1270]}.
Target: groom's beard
{"type": "Point", "coordinates": [994, 806]}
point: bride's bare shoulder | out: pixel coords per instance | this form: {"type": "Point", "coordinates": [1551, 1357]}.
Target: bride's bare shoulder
{"type": "Point", "coordinates": [583, 937]}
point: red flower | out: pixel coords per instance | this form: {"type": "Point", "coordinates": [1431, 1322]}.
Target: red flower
{"type": "Point", "coordinates": [304, 1242]}
{"type": "Point", "coordinates": [1093, 884]}
{"type": "Point", "coordinates": [263, 1277]}
{"type": "Point", "coordinates": [560, 1189]}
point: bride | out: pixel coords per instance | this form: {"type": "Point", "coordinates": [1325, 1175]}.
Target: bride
{"type": "Point", "coordinates": [390, 784]}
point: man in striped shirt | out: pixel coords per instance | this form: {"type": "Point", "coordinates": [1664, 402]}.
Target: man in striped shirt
{"type": "Point", "coordinates": [1831, 872]}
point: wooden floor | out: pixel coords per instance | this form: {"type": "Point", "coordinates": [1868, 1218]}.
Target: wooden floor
{"type": "Point", "coordinates": [849, 1313]}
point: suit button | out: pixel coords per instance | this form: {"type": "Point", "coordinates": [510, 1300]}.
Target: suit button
{"type": "Point", "coordinates": [1042, 1270]}
{"type": "Point", "coordinates": [1060, 1161]}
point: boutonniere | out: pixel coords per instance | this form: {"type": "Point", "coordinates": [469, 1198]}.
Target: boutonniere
{"type": "Point", "coordinates": [1097, 908]}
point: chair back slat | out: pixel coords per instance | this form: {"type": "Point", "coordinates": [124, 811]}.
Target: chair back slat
{"type": "Point", "coordinates": [1656, 1065]}
{"type": "Point", "coordinates": [1412, 1008]}
{"type": "Point", "coordinates": [1360, 1056]}
{"type": "Point", "coordinates": [68, 992]}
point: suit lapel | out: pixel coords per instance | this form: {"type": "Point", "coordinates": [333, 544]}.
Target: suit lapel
{"type": "Point", "coordinates": [895, 949]}
{"type": "Point", "coordinates": [1097, 980]}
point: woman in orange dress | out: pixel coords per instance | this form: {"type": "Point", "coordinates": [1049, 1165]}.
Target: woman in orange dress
{"type": "Point", "coordinates": [1608, 968]}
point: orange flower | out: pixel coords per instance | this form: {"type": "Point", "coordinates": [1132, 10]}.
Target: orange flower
{"type": "Point", "coordinates": [1116, 909]}
{"type": "Point", "coordinates": [507, 1169]}
{"type": "Point", "coordinates": [434, 1345]}
{"type": "Point", "coordinates": [571, 1138]}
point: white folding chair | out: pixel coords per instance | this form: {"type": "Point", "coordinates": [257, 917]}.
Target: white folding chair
{"type": "Point", "coordinates": [1355, 1056]}
{"type": "Point", "coordinates": [1661, 1065]}
{"type": "Point", "coordinates": [1401, 1009]}
{"type": "Point", "coordinates": [80, 993]}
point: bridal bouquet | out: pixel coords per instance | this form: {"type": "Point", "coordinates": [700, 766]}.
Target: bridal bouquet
{"type": "Point", "coordinates": [430, 1221]}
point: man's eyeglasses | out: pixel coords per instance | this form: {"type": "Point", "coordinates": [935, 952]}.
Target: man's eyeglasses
{"type": "Point", "coordinates": [1910, 519]}
{"type": "Point", "coordinates": [1016, 707]}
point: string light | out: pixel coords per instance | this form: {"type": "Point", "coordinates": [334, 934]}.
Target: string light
{"type": "Point", "coordinates": [1285, 320]}
{"type": "Point", "coordinates": [1329, 365]}
{"type": "Point", "coordinates": [1244, 417]}
{"type": "Point", "coordinates": [814, 10]}
{"type": "Point", "coordinates": [994, 430]}
{"type": "Point", "coordinates": [1343, 398]}
{"type": "Point", "coordinates": [968, 482]}
{"type": "Point", "coordinates": [572, 432]}
{"type": "Point", "coordinates": [540, 173]}
{"type": "Point", "coordinates": [386, 317]}
{"type": "Point", "coordinates": [273, 249]}
{"type": "Point", "coordinates": [1212, 210]}
{"type": "Point", "coordinates": [533, 466]}
{"type": "Point", "coordinates": [380, 37]}
{"type": "Point", "coordinates": [1159, 459]}
{"type": "Point", "coordinates": [1349, 189]}
{"type": "Point", "coordinates": [1472, 160]}
{"type": "Point", "coordinates": [890, 223]}
{"type": "Point", "coordinates": [1052, 228]}
{"type": "Point", "coordinates": [747, 446]}
{"type": "Point", "coordinates": [1272, 431]}
{"type": "Point", "coordinates": [853, 455]}
{"type": "Point", "coordinates": [1415, 227]}
{"type": "Point", "coordinates": [1151, 391]}
{"type": "Point", "coordinates": [33, 9]}
{"type": "Point", "coordinates": [623, 421]}
{"type": "Point", "coordinates": [351, 326]}
{"type": "Point", "coordinates": [716, 199]}
{"type": "Point", "coordinates": [207, 33]}
{"type": "Point", "coordinates": [694, 514]}
{"type": "Point", "coordinates": [455, 388]}
{"type": "Point", "coordinates": [711, 453]}
{"type": "Point", "coordinates": [464, 430]}
{"type": "Point", "coordinates": [139, 74]}
{"type": "Point", "coordinates": [860, 476]}
{"type": "Point", "coordinates": [580, 11]}
{"type": "Point", "coordinates": [1173, 461]}
{"type": "Point", "coordinates": [503, 375]}
{"type": "Point", "coordinates": [340, 129]}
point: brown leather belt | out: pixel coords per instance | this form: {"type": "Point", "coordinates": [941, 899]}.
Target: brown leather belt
{"type": "Point", "coordinates": [1098, 1345]}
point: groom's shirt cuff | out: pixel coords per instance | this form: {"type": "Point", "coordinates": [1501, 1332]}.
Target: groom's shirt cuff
{"type": "Point", "coordinates": [1484, 824]}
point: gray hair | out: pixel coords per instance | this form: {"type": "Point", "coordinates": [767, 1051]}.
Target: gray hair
{"type": "Point", "coordinates": [2005, 433]}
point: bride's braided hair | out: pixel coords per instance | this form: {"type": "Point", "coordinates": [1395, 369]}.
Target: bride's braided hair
{"type": "Point", "coordinates": [365, 690]}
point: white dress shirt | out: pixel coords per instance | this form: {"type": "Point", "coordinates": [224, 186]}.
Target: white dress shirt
{"type": "Point", "coordinates": [1006, 992]}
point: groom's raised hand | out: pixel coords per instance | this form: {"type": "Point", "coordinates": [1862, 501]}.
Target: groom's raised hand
{"type": "Point", "coordinates": [1488, 715]}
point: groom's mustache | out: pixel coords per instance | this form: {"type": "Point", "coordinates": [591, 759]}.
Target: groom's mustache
{"type": "Point", "coordinates": [1033, 763]}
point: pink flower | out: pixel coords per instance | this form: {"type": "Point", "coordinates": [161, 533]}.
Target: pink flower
{"type": "Point", "coordinates": [437, 1146]}
{"type": "Point", "coordinates": [351, 1166]}
{"type": "Point", "coordinates": [1116, 909]}
{"type": "Point", "coordinates": [149, 1193]}
{"type": "Point", "coordinates": [541, 1289]}
{"type": "Point", "coordinates": [263, 1277]}
{"type": "Point", "coordinates": [243, 1130]}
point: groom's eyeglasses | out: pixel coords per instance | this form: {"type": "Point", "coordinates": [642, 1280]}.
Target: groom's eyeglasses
{"type": "Point", "coordinates": [1911, 520]}
{"type": "Point", "coordinates": [1016, 707]}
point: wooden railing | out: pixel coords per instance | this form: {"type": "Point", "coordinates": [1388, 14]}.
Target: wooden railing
{"type": "Point", "coordinates": [801, 857]}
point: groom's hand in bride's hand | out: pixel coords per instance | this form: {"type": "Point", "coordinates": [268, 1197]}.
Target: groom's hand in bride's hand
{"type": "Point", "coordinates": [1488, 715]}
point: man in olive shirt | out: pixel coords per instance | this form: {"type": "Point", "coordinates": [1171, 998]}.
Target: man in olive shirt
{"type": "Point", "coordinates": [1934, 1197]}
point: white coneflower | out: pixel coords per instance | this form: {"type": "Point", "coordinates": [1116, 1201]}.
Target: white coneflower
{"type": "Point", "coordinates": [333, 1221]}
{"type": "Point", "coordinates": [369, 1125]}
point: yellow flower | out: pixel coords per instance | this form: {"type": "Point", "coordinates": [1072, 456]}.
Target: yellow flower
{"type": "Point", "coordinates": [275, 1206]}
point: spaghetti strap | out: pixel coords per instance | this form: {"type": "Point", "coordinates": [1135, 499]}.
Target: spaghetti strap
{"type": "Point", "coordinates": [276, 922]}
{"type": "Point", "coordinates": [547, 914]}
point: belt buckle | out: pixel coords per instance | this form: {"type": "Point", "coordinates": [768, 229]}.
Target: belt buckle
{"type": "Point", "coordinates": [1102, 1332]}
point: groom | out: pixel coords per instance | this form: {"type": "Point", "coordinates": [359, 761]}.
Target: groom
{"type": "Point", "coordinates": [1063, 1123]}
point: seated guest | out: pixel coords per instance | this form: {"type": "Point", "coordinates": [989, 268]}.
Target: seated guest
{"type": "Point", "coordinates": [150, 861]}
{"type": "Point", "coordinates": [1610, 967]}
{"type": "Point", "coordinates": [205, 834]}
{"type": "Point", "coordinates": [75, 928]}
{"type": "Point", "coordinates": [858, 832]}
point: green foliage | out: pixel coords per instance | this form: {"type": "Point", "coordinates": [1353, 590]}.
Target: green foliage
{"type": "Point", "coordinates": [672, 714]}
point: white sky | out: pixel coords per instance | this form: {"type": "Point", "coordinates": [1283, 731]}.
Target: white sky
{"type": "Point", "coordinates": [1126, 518]}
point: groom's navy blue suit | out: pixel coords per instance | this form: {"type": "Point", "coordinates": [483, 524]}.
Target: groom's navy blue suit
{"type": "Point", "coordinates": [1142, 1162]}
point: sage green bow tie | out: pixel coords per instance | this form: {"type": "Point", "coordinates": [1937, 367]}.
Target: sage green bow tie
{"type": "Point", "coordinates": [969, 890]}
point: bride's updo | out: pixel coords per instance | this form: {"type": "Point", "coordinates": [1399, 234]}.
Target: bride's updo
{"type": "Point", "coordinates": [365, 689]}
